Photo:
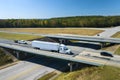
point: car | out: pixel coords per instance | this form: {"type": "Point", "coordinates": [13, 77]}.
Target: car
{"type": "Point", "coordinates": [107, 54]}
{"type": "Point", "coordinates": [20, 41]}
{"type": "Point", "coordinates": [98, 34]}
{"type": "Point", "coordinates": [16, 41]}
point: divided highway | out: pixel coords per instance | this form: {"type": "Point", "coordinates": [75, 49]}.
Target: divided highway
{"type": "Point", "coordinates": [75, 58]}
{"type": "Point", "coordinates": [38, 66]}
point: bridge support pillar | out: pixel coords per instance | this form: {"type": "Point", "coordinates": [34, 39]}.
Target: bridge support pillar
{"type": "Point", "coordinates": [103, 45]}
{"type": "Point", "coordinates": [25, 54]}
{"type": "Point", "coordinates": [17, 53]}
{"type": "Point", "coordinates": [71, 66]}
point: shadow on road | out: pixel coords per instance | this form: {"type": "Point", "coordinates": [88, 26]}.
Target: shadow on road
{"type": "Point", "coordinates": [58, 64]}
{"type": "Point", "coordinates": [85, 45]}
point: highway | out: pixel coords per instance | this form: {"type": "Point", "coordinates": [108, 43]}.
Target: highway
{"type": "Point", "coordinates": [38, 66]}
{"type": "Point", "coordinates": [32, 69]}
{"type": "Point", "coordinates": [105, 36]}
{"type": "Point", "coordinates": [109, 32]}
{"type": "Point", "coordinates": [86, 38]}
{"type": "Point", "coordinates": [73, 58]}
{"type": "Point", "coordinates": [99, 39]}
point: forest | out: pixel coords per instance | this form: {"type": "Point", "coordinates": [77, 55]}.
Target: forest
{"type": "Point", "coordinates": [62, 22]}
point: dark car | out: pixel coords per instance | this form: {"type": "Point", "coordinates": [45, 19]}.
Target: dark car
{"type": "Point", "coordinates": [107, 54]}
{"type": "Point", "coordinates": [16, 41]}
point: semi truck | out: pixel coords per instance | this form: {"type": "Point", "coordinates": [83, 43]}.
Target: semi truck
{"type": "Point", "coordinates": [50, 46]}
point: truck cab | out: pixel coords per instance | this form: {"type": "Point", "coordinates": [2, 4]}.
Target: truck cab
{"type": "Point", "coordinates": [64, 49]}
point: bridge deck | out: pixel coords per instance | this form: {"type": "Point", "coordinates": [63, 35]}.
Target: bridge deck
{"type": "Point", "coordinates": [81, 59]}
{"type": "Point", "coordinates": [86, 38]}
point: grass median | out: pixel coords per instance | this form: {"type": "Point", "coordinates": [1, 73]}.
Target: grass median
{"type": "Point", "coordinates": [17, 36]}
{"type": "Point", "coordinates": [76, 31]}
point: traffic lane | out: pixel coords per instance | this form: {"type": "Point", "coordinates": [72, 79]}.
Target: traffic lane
{"type": "Point", "coordinates": [99, 60]}
{"type": "Point", "coordinates": [6, 41]}
{"type": "Point", "coordinates": [37, 73]}
{"type": "Point", "coordinates": [23, 73]}
{"type": "Point", "coordinates": [10, 69]}
{"type": "Point", "coordinates": [97, 55]}
{"type": "Point", "coordinates": [75, 49]}
{"type": "Point", "coordinates": [10, 73]}
{"type": "Point", "coordinates": [110, 60]}
{"type": "Point", "coordinates": [11, 42]}
{"type": "Point", "coordinates": [19, 72]}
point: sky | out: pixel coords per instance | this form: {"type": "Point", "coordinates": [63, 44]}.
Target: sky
{"type": "Point", "coordinates": [42, 9]}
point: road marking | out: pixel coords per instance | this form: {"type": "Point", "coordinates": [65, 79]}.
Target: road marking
{"type": "Point", "coordinates": [16, 76]}
{"type": "Point", "coordinates": [90, 59]}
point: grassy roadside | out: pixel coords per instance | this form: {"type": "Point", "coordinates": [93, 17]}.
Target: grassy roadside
{"type": "Point", "coordinates": [117, 35]}
{"type": "Point", "coordinates": [92, 73]}
{"type": "Point", "coordinates": [112, 48]}
{"type": "Point", "coordinates": [17, 36]}
{"type": "Point", "coordinates": [4, 59]}
{"type": "Point", "coordinates": [117, 51]}
{"type": "Point", "coordinates": [115, 48]}
{"type": "Point", "coordinates": [77, 31]}
{"type": "Point", "coordinates": [48, 76]}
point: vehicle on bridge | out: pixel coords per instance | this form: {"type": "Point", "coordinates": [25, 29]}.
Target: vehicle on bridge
{"type": "Point", "coordinates": [102, 54]}
{"type": "Point", "coordinates": [108, 54]}
{"type": "Point", "coordinates": [50, 46]}
{"type": "Point", "coordinates": [20, 41]}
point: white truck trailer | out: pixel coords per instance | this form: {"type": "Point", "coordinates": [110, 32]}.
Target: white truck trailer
{"type": "Point", "coordinates": [50, 46]}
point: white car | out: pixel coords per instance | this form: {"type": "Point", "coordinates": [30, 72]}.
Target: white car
{"type": "Point", "coordinates": [21, 41]}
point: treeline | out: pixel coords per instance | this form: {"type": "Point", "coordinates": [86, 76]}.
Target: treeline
{"type": "Point", "coordinates": [78, 21]}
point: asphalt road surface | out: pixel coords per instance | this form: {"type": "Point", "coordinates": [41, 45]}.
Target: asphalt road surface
{"type": "Point", "coordinates": [109, 32]}
{"type": "Point", "coordinates": [32, 68]}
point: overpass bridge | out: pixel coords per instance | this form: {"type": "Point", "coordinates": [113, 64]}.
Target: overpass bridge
{"type": "Point", "coordinates": [74, 37]}
{"type": "Point", "coordinates": [103, 41]}
{"type": "Point", "coordinates": [72, 58]}
{"type": "Point", "coordinates": [86, 38]}
{"type": "Point", "coordinates": [65, 38]}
